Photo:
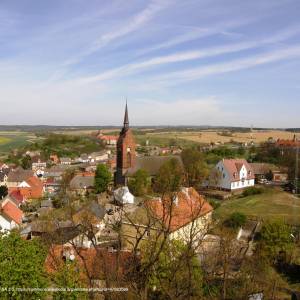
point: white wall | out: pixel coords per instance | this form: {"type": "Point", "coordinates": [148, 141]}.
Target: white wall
{"type": "Point", "coordinates": [5, 224]}
{"type": "Point", "coordinates": [198, 228]}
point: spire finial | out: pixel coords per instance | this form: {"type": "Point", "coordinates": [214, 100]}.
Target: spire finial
{"type": "Point", "coordinates": [126, 119]}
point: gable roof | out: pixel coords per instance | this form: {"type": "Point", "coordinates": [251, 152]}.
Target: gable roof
{"type": "Point", "coordinates": [234, 166]}
{"type": "Point", "coordinates": [80, 182]}
{"type": "Point", "coordinates": [263, 168]}
{"type": "Point", "coordinates": [151, 164]}
{"type": "Point", "coordinates": [17, 197]}
{"type": "Point", "coordinates": [12, 211]}
{"type": "Point", "coordinates": [187, 207]}
{"type": "Point", "coordinates": [19, 175]}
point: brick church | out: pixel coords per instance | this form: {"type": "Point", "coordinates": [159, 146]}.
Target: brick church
{"type": "Point", "coordinates": [127, 160]}
{"type": "Point", "coordinates": [126, 156]}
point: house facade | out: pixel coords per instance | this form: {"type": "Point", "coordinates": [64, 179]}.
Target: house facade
{"type": "Point", "coordinates": [10, 215]}
{"type": "Point", "coordinates": [232, 174]}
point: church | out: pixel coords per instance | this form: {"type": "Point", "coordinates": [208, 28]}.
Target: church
{"type": "Point", "coordinates": [127, 160]}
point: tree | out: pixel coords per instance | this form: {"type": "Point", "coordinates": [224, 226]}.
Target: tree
{"type": "Point", "coordinates": [21, 266]}
{"type": "Point", "coordinates": [196, 169]}
{"type": "Point", "coordinates": [169, 177]}
{"type": "Point", "coordinates": [177, 273]}
{"type": "Point", "coordinates": [276, 238]}
{"type": "Point", "coordinates": [3, 191]}
{"type": "Point", "coordinates": [68, 277]}
{"type": "Point", "coordinates": [26, 162]}
{"type": "Point", "coordinates": [236, 220]}
{"type": "Point", "coordinates": [139, 183]}
{"type": "Point", "coordinates": [102, 179]}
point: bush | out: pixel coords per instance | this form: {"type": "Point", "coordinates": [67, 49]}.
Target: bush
{"type": "Point", "coordinates": [236, 220]}
{"type": "Point", "coordinates": [215, 204]}
{"type": "Point", "coordinates": [251, 191]}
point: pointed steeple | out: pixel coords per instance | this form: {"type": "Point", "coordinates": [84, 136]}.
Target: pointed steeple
{"type": "Point", "coordinates": [126, 119]}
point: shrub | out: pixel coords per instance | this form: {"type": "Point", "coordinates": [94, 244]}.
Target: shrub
{"type": "Point", "coordinates": [236, 220]}
{"type": "Point", "coordinates": [214, 203]}
{"type": "Point", "coordinates": [251, 191]}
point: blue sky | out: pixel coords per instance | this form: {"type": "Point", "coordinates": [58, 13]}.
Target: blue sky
{"type": "Point", "coordinates": [191, 62]}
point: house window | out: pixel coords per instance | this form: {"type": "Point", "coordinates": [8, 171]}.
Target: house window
{"type": "Point", "coordinates": [223, 175]}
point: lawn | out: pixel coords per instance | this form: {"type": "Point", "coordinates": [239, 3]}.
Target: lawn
{"type": "Point", "coordinates": [273, 203]}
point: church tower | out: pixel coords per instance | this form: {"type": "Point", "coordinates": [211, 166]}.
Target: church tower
{"type": "Point", "coordinates": [125, 151]}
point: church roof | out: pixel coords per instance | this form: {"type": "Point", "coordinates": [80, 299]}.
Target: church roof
{"type": "Point", "coordinates": [151, 164]}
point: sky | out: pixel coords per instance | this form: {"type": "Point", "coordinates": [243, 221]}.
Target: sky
{"type": "Point", "coordinates": [191, 62]}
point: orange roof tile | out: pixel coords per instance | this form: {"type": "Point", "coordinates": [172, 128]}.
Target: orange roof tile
{"type": "Point", "coordinates": [12, 211]}
{"type": "Point", "coordinates": [188, 206]}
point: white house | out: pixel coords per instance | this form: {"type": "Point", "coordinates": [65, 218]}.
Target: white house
{"type": "Point", "coordinates": [232, 174]}
{"type": "Point", "coordinates": [10, 215]}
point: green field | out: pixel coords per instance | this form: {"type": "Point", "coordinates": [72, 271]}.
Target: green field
{"type": "Point", "coordinates": [272, 204]}
{"type": "Point", "coordinates": [10, 140]}
{"type": "Point", "coordinates": [4, 140]}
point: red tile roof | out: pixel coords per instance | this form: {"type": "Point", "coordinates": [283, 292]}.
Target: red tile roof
{"type": "Point", "coordinates": [93, 263]}
{"type": "Point", "coordinates": [12, 211]}
{"type": "Point", "coordinates": [108, 137]}
{"type": "Point", "coordinates": [35, 189]}
{"type": "Point", "coordinates": [288, 143]}
{"type": "Point", "coordinates": [187, 207]}
{"type": "Point", "coordinates": [17, 196]}
{"type": "Point", "coordinates": [233, 167]}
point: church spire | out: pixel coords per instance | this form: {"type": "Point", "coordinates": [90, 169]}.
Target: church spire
{"type": "Point", "coordinates": [126, 119]}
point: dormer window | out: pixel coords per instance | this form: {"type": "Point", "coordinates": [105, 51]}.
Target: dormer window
{"type": "Point", "coordinates": [234, 174]}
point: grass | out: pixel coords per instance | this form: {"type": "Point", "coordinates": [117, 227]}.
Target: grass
{"type": "Point", "coordinates": [4, 140]}
{"type": "Point", "coordinates": [11, 140]}
{"type": "Point", "coordinates": [273, 203]}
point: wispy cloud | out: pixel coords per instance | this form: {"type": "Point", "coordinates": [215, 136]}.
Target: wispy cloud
{"type": "Point", "coordinates": [133, 23]}
{"type": "Point", "coordinates": [193, 55]}
{"type": "Point", "coordinates": [235, 65]}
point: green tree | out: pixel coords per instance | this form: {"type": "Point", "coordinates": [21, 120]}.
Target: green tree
{"type": "Point", "coordinates": [102, 178]}
{"type": "Point", "coordinates": [276, 238]}
{"type": "Point", "coordinates": [68, 277]}
{"type": "Point", "coordinates": [177, 273]}
{"type": "Point", "coordinates": [3, 191]}
{"type": "Point", "coordinates": [26, 162]}
{"type": "Point", "coordinates": [21, 266]}
{"type": "Point", "coordinates": [169, 177]}
{"type": "Point", "coordinates": [139, 183]}
{"type": "Point", "coordinates": [196, 169]}
{"type": "Point", "coordinates": [236, 220]}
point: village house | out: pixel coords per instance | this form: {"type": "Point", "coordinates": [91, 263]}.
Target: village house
{"type": "Point", "coordinates": [232, 174]}
{"type": "Point", "coordinates": [81, 184]}
{"type": "Point", "coordinates": [4, 175]}
{"type": "Point", "coordinates": [188, 215]}
{"type": "Point", "coordinates": [10, 215]}
{"type": "Point", "coordinates": [265, 171]}
{"type": "Point", "coordinates": [16, 197]}
{"type": "Point", "coordinates": [54, 159]}
{"type": "Point", "coordinates": [38, 166]}
{"type": "Point", "coordinates": [17, 176]}
{"type": "Point", "coordinates": [30, 188]}
{"type": "Point", "coordinates": [110, 140]}
{"type": "Point", "coordinates": [101, 156]}
{"type": "Point", "coordinates": [65, 160]}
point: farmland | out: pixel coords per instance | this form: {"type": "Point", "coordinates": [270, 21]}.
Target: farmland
{"type": "Point", "coordinates": [209, 136]}
{"type": "Point", "coordinates": [10, 140]}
